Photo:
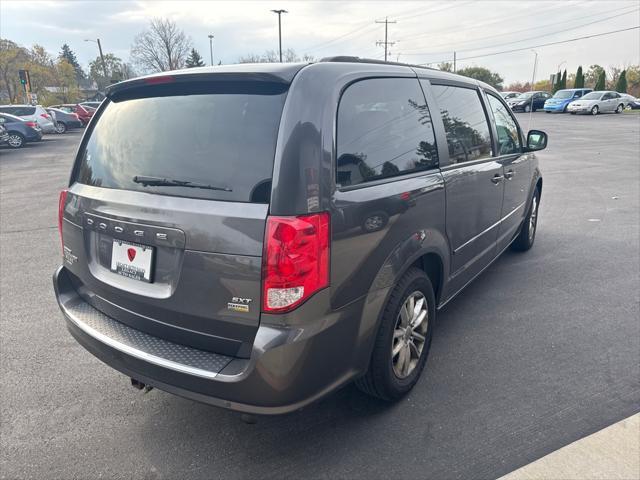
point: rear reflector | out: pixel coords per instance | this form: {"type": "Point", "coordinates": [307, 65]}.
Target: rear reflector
{"type": "Point", "coordinates": [296, 260]}
{"type": "Point", "coordinates": [61, 204]}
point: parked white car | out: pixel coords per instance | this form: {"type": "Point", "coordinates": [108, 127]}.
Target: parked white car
{"type": "Point", "coordinates": [33, 113]}
{"type": "Point", "coordinates": [597, 102]}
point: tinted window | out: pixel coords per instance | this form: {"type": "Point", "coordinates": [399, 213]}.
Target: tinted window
{"type": "Point", "coordinates": [384, 130]}
{"type": "Point", "coordinates": [19, 111]}
{"type": "Point", "coordinates": [222, 138]}
{"type": "Point", "coordinates": [508, 137]}
{"type": "Point", "coordinates": [465, 123]}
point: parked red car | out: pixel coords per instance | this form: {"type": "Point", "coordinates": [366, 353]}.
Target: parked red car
{"type": "Point", "coordinates": [84, 113]}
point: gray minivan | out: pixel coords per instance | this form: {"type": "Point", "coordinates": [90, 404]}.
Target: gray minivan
{"type": "Point", "coordinates": [292, 228]}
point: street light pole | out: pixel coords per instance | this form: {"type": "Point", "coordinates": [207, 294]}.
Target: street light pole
{"type": "Point", "coordinates": [211, 48]}
{"type": "Point", "coordinates": [280, 12]}
{"type": "Point", "coordinates": [104, 65]}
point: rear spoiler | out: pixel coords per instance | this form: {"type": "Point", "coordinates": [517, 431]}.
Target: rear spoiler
{"type": "Point", "coordinates": [184, 77]}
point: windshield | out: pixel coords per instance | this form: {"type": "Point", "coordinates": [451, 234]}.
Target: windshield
{"type": "Point", "coordinates": [592, 96]}
{"type": "Point", "coordinates": [226, 137]}
{"type": "Point", "coordinates": [564, 94]}
{"type": "Point", "coordinates": [524, 96]}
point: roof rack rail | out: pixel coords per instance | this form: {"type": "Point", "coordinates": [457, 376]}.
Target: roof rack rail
{"type": "Point", "coordinates": [350, 59]}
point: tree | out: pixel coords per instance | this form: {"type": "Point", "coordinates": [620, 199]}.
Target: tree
{"type": "Point", "coordinates": [445, 66]}
{"type": "Point", "coordinates": [12, 58]}
{"type": "Point", "coordinates": [194, 59]}
{"type": "Point", "coordinates": [592, 75]}
{"type": "Point", "coordinates": [163, 46]}
{"type": "Point", "coordinates": [518, 87]}
{"type": "Point", "coordinates": [602, 80]}
{"type": "Point", "coordinates": [117, 70]}
{"type": "Point", "coordinates": [579, 83]}
{"type": "Point", "coordinates": [632, 76]}
{"type": "Point", "coordinates": [67, 54]}
{"type": "Point", "coordinates": [484, 75]}
{"type": "Point", "coordinates": [621, 85]}
{"type": "Point", "coordinates": [563, 82]}
{"type": "Point", "coordinates": [271, 56]}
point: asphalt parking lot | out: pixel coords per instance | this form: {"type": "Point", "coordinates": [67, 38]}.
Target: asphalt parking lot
{"type": "Point", "coordinates": [543, 349]}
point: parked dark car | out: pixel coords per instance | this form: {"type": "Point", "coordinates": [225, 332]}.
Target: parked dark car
{"type": "Point", "coordinates": [84, 113]}
{"type": "Point", "coordinates": [528, 101]}
{"type": "Point", "coordinates": [64, 120]}
{"type": "Point", "coordinates": [20, 131]}
{"type": "Point", "coordinates": [221, 256]}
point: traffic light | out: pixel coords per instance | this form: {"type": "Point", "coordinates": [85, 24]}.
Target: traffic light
{"type": "Point", "coordinates": [23, 77]}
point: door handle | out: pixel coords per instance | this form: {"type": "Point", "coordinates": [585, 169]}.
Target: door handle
{"type": "Point", "coordinates": [509, 175]}
{"type": "Point", "coordinates": [497, 178]}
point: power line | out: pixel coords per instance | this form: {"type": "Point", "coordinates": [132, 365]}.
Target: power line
{"type": "Point", "coordinates": [500, 19]}
{"type": "Point", "coordinates": [537, 27]}
{"type": "Point", "coordinates": [529, 38]}
{"type": "Point", "coordinates": [541, 45]}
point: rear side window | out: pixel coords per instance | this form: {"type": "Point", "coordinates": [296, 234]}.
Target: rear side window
{"type": "Point", "coordinates": [384, 130]}
{"type": "Point", "coordinates": [465, 123]}
{"type": "Point", "coordinates": [202, 141]}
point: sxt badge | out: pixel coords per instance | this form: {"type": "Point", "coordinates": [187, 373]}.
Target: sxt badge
{"type": "Point", "coordinates": [238, 304]}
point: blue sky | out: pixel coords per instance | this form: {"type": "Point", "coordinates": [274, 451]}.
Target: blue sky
{"type": "Point", "coordinates": [426, 31]}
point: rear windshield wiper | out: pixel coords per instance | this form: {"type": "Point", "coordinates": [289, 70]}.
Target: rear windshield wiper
{"type": "Point", "coordinates": [168, 182]}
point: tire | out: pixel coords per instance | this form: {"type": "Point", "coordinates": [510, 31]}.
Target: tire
{"type": "Point", "coordinates": [572, 113]}
{"type": "Point", "coordinates": [374, 222]}
{"type": "Point", "coordinates": [619, 108]}
{"type": "Point", "coordinates": [527, 234]}
{"type": "Point", "coordinates": [595, 110]}
{"type": "Point", "coordinates": [386, 378]}
{"type": "Point", "coordinates": [15, 140]}
{"type": "Point", "coordinates": [61, 127]}
{"type": "Point", "coordinates": [527, 109]}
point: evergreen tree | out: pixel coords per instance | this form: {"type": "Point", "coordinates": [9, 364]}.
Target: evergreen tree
{"type": "Point", "coordinates": [579, 83]}
{"type": "Point", "coordinates": [601, 83]}
{"type": "Point", "coordinates": [67, 54]}
{"type": "Point", "coordinates": [563, 82]}
{"type": "Point", "coordinates": [621, 84]}
{"type": "Point", "coordinates": [556, 82]}
{"type": "Point", "coordinates": [194, 59]}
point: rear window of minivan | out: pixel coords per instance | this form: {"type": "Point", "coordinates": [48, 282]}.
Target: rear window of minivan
{"type": "Point", "coordinates": [211, 141]}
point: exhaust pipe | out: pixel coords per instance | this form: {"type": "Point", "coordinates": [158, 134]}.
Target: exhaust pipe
{"type": "Point", "coordinates": [138, 385]}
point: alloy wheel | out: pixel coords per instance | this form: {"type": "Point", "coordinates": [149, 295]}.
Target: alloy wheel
{"type": "Point", "coordinates": [374, 222]}
{"type": "Point", "coordinates": [594, 110]}
{"type": "Point", "coordinates": [15, 141]}
{"type": "Point", "coordinates": [409, 334]}
{"type": "Point", "coordinates": [60, 127]}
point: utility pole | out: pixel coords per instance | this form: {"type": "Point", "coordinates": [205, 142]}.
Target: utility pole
{"type": "Point", "coordinates": [386, 42]}
{"type": "Point", "coordinates": [454, 62]}
{"type": "Point", "coordinates": [104, 65]}
{"type": "Point", "coordinates": [211, 48]}
{"type": "Point", "coordinates": [280, 12]}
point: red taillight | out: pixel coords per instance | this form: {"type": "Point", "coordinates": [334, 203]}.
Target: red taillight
{"type": "Point", "coordinates": [45, 115]}
{"type": "Point", "coordinates": [61, 203]}
{"type": "Point", "coordinates": [31, 124]}
{"type": "Point", "coordinates": [158, 80]}
{"type": "Point", "coordinates": [296, 260]}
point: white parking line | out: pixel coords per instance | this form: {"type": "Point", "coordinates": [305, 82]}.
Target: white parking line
{"type": "Point", "coordinates": [610, 454]}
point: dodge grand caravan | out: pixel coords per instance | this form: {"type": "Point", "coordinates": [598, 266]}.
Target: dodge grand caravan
{"type": "Point", "coordinates": [256, 236]}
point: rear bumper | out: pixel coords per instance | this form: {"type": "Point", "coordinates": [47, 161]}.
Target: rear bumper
{"type": "Point", "coordinates": [296, 358]}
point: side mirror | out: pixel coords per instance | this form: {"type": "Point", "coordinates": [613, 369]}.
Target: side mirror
{"type": "Point", "coordinates": [536, 140]}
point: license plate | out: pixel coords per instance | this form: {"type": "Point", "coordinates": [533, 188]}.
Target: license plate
{"type": "Point", "coordinates": [132, 260]}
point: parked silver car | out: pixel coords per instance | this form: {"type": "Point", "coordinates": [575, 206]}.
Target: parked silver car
{"type": "Point", "coordinates": [597, 102]}
{"type": "Point", "coordinates": [33, 113]}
